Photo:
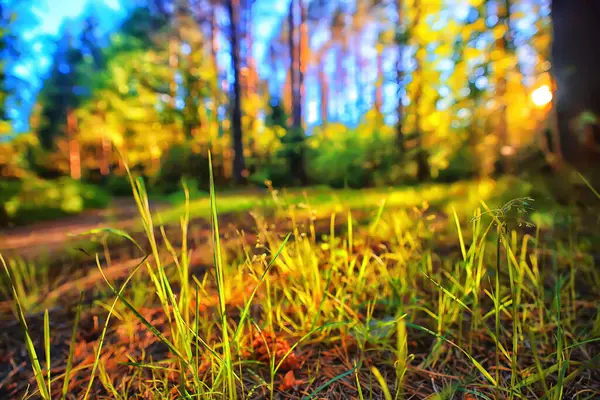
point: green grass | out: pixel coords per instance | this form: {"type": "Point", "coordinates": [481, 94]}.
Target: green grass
{"type": "Point", "coordinates": [35, 199]}
{"type": "Point", "coordinates": [406, 304]}
{"type": "Point", "coordinates": [464, 194]}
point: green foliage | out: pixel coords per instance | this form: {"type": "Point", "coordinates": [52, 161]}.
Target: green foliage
{"type": "Point", "coordinates": [181, 162]}
{"type": "Point", "coordinates": [17, 156]}
{"type": "Point", "coordinates": [35, 199]}
{"type": "Point", "coordinates": [355, 158]}
{"type": "Point", "coordinates": [275, 169]}
{"type": "Point", "coordinates": [461, 165]}
{"type": "Point", "coordinates": [118, 185]}
{"type": "Point", "coordinates": [193, 193]}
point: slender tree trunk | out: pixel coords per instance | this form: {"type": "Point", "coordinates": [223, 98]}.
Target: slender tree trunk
{"type": "Point", "coordinates": [250, 63]}
{"type": "Point", "coordinates": [302, 59]}
{"type": "Point", "coordinates": [105, 144]}
{"type": "Point", "coordinates": [294, 63]}
{"type": "Point", "coordinates": [423, 168]}
{"type": "Point", "coordinates": [74, 152]}
{"type": "Point", "coordinates": [239, 166]}
{"type": "Point", "coordinates": [379, 87]}
{"type": "Point", "coordinates": [324, 94]}
{"type": "Point", "coordinates": [298, 53]}
{"type": "Point", "coordinates": [503, 134]}
{"type": "Point", "coordinates": [399, 78]}
{"type": "Point", "coordinates": [358, 67]}
{"type": "Point", "coordinates": [173, 66]}
{"type": "Point", "coordinates": [216, 90]}
{"type": "Point", "coordinates": [251, 88]}
{"type": "Point", "coordinates": [105, 161]}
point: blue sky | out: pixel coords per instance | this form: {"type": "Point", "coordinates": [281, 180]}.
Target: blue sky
{"type": "Point", "coordinates": [50, 15]}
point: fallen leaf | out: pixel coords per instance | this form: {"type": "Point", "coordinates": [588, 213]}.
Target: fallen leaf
{"type": "Point", "coordinates": [289, 381]}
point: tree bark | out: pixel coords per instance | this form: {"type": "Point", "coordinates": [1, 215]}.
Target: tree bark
{"type": "Point", "coordinates": [324, 94]}
{"type": "Point", "coordinates": [294, 65]}
{"type": "Point", "coordinates": [239, 165]}
{"type": "Point", "coordinates": [575, 64]}
{"type": "Point", "coordinates": [74, 152]}
{"type": "Point", "coordinates": [105, 148]}
{"type": "Point", "coordinates": [423, 167]}
{"type": "Point", "coordinates": [297, 53]}
{"type": "Point", "coordinates": [399, 77]}
{"type": "Point", "coordinates": [379, 88]}
{"type": "Point", "coordinates": [502, 129]}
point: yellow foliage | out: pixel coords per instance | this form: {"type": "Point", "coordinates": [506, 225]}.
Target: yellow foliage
{"type": "Point", "coordinates": [499, 31]}
{"type": "Point", "coordinates": [445, 50]}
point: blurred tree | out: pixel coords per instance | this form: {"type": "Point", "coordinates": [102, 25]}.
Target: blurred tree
{"type": "Point", "coordinates": [575, 65]}
{"type": "Point", "coordinates": [239, 166]}
{"type": "Point", "coordinates": [400, 42]}
{"type": "Point", "coordinates": [421, 91]}
{"type": "Point", "coordinates": [503, 66]}
{"type": "Point", "coordinates": [93, 63]}
{"type": "Point", "coordinates": [164, 89]}
{"type": "Point", "coordinates": [61, 94]}
{"type": "Point", "coordinates": [298, 50]}
{"type": "Point", "coordinates": [127, 96]}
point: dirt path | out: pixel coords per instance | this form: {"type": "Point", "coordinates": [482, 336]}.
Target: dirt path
{"type": "Point", "coordinates": [52, 236]}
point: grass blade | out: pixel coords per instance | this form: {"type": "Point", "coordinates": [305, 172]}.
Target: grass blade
{"type": "Point", "coordinates": [220, 276]}
{"type": "Point", "coordinates": [382, 383]}
{"type": "Point", "coordinates": [33, 357]}
{"type": "Point", "coordinates": [111, 231]}
{"type": "Point", "coordinates": [65, 387]}
{"type": "Point", "coordinates": [460, 235]}
{"type": "Point", "coordinates": [589, 185]}
{"type": "Point", "coordinates": [47, 349]}
{"type": "Point", "coordinates": [329, 382]}
{"type": "Point", "coordinates": [102, 336]}
{"type": "Point", "coordinates": [262, 278]}
{"type": "Point", "coordinates": [447, 292]}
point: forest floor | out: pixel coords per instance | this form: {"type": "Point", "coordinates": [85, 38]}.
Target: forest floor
{"type": "Point", "coordinates": [379, 293]}
{"type": "Point", "coordinates": [39, 238]}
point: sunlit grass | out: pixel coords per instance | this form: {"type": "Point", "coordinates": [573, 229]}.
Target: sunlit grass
{"type": "Point", "coordinates": [393, 307]}
{"type": "Point", "coordinates": [463, 194]}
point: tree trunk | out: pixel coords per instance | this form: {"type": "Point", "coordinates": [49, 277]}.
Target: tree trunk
{"type": "Point", "coordinates": [294, 65]}
{"type": "Point", "coordinates": [216, 92]}
{"type": "Point", "coordinates": [302, 59]}
{"type": "Point", "coordinates": [105, 146]}
{"type": "Point", "coordinates": [379, 86]}
{"type": "Point", "coordinates": [297, 63]}
{"type": "Point", "coordinates": [173, 62]}
{"type": "Point", "coordinates": [502, 129]}
{"type": "Point", "coordinates": [239, 167]}
{"type": "Point", "coordinates": [423, 168]}
{"type": "Point", "coordinates": [575, 68]}
{"type": "Point", "coordinates": [399, 77]}
{"type": "Point", "coordinates": [324, 93]}
{"type": "Point", "coordinates": [74, 152]}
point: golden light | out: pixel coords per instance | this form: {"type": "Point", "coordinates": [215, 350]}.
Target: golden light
{"type": "Point", "coordinates": [542, 96]}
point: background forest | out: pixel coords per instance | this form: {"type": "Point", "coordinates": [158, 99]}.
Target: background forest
{"type": "Point", "coordinates": [341, 93]}
{"type": "Point", "coordinates": [299, 199]}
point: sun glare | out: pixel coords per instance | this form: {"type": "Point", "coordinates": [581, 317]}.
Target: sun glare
{"type": "Point", "coordinates": [541, 96]}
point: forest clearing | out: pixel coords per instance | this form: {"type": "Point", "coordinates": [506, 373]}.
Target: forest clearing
{"type": "Point", "coordinates": [299, 199]}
